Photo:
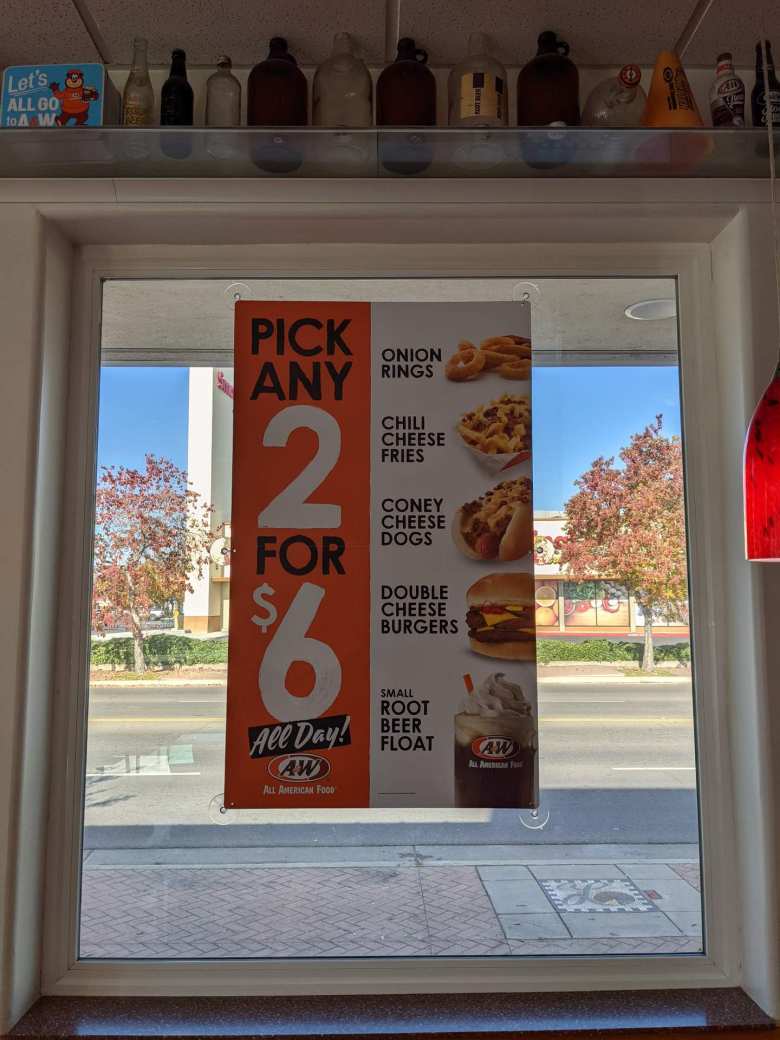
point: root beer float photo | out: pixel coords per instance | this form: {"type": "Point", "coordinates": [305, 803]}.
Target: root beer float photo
{"type": "Point", "coordinates": [495, 746]}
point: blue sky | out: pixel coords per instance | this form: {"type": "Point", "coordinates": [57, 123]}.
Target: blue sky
{"type": "Point", "coordinates": [579, 414]}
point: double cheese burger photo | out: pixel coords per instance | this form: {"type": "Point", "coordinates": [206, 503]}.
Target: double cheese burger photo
{"type": "Point", "coordinates": [500, 616]}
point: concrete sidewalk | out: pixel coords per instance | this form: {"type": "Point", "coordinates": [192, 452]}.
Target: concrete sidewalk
{"type": "Point", "coordinates": [393, 906]}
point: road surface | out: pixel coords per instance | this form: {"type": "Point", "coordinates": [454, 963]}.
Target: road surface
{"type": "Point", "coordinates": [617, 766]}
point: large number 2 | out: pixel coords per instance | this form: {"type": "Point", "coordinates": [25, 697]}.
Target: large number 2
{"type": "Point", "coordinates": [290, 508]}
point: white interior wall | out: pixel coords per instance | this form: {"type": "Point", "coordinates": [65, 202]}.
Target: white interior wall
{"type": "Point", "coordinates": [32, 415]}
{"type": "Point", "coordinates": [743, 302]}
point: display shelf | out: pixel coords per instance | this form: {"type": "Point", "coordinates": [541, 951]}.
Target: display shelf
{"type": "Point", "coordinates": [117, 152]}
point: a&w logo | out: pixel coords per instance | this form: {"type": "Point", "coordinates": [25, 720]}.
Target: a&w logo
{"type": "Point", "coordinates": [495, 749]}
{"type": "Point", "coordinates": [299, 769]}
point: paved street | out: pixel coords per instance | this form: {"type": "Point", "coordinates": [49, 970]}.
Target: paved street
{"type": "Point", "coordinates": [616, 759]}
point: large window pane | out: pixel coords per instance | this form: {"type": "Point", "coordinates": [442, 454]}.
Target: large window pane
{"type": "Point", "coordinates": [614, 870]}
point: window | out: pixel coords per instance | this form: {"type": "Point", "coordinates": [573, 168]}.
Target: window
{"type": "Point", "coordinates": [610, 866]}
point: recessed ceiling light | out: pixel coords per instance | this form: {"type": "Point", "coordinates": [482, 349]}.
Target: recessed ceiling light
{"type": "Point", "coordinates": [651, 310]}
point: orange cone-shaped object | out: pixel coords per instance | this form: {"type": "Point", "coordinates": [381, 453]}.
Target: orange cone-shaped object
{"type": "Point", "coordinates": [670, 100]}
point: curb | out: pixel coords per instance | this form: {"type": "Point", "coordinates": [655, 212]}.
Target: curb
{"type": "Point", "coordinates": [622, 680]}
{"type": "Point", "coordinates": [583, 680]}
{"type": "Point", "coordinates": [107, 684]}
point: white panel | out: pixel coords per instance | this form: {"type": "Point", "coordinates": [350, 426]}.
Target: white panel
{"type": "Point", "coordinates": [208, 28]}
{"type": "Point", "coordinates": [600, 32]}
{"type": "Point", "coordinates": [200, 421]}
{"type": "Point", "coordinates": [43, 34]}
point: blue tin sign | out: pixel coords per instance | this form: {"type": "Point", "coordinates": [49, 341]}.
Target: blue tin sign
{"type": "Point", "coordinates": [54, 95]}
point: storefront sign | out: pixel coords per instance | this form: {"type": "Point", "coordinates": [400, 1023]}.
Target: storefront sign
{"type": "Point", "coordinates": [382, 642]}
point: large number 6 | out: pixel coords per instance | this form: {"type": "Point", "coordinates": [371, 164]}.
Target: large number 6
{"type": "Point", "coordinates": [290, 643]}
{"type": "Point", "coordinates": [290, 508]}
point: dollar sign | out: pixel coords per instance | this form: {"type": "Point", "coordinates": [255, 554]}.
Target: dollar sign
{"type": "Point", "coordinates": [271, 612]}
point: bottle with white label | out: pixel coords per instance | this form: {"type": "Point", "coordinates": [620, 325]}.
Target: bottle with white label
{"type": "Point", "coordinates": [477, 87]}
{"type": "Point", "coordinates": [727, 94]}
{"type": "Point", "coordinates": [765, 108]}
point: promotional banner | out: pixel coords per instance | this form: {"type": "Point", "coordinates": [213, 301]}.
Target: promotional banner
{"type": "Point", "coordinates": [382, 646]}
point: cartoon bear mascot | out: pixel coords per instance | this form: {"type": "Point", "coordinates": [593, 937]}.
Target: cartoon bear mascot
{"type": "Point", "coordinates": [74, 98]}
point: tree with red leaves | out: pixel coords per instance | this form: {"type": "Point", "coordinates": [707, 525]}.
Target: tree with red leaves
{"type": "Point", "coordinates": [627, 523]}
{"type": "Point", "coordinates": [152, 532]}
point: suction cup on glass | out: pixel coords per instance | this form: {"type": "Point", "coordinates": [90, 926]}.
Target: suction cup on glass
{"type": "Point", "coordinates": [535, 819]}
{"type": "Point", "coordinates": [236, 291]}
{"type": "Point", "coordinates": [218, 811]}
{"type": "Point", "coordinates": [527, 292]}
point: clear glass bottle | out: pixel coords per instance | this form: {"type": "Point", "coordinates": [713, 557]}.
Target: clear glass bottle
{"type": "Point", "coordinates": [616, 102]}
{"type": "Point", "coordinates": [223, 96]}
{"type": "Point", "coordinates": [477, 87]}
{"type": "Point", "coordinates": [342, 89]}
{"type": "Point", "coordinates": [727, 94]}
{"type": "Point", "coordinates": [138, 95]}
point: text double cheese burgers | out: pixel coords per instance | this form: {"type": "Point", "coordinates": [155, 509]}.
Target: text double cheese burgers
{"type": "Point", "coordinates": [500, 616]}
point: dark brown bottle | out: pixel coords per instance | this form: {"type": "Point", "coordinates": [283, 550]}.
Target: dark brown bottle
{"type": "Point", "coordinates": [176, 104]}
{"type": "Point", "coordinates": [176, 96]}
{"type": "Point", "coordinates": [277, 92]}
{"type": "Point", "coordinates": [406, 97]}
{"type": "Point", "coordinates": [762, 108]}
{"type": "Point", "coordinates": [406, 89]}
{"type": "Point", "coordinates": [548, 87]}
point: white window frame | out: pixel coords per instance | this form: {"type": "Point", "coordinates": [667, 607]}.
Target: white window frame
{"type": "Point", "coordinates": [691, 266]}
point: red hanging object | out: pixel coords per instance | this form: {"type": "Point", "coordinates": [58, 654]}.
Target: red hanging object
{"type": "Point", "coordinates": [761, 470]}
{"type": "Point", "coordinates": [762, 477]}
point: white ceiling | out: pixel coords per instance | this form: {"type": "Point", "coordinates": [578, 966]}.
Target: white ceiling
{"type": "Point", "coordinates": [601, 32]}
{"type": "Point", "coordinates": [192, 320]}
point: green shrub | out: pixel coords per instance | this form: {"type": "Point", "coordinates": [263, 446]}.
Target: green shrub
{"type": "Point", "coordinates": [113, 651]}
{"type": "Point", "coordinates": [606, 650]}
{"type": "Point", "coordinates": [161, 650]}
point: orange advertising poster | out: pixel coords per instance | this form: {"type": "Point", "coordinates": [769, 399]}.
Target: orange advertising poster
{"type": "Point", "coordinates": [298, 715]}
{"type": "Point", "coordinates": [382, 644]}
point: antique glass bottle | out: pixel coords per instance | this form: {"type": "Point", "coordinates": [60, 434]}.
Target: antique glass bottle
{"type": "Point", "coordinates": [223, 96]}
{"type": "Point", "coordinates": [616, 102]}
{"type": "Point", "coordinates": [406, 97]}
{"type": "Point", "coordinates": [477, 87]}
{"type": "Point", "coordinates": [342, 89]}
{"type": "Point", "coordinates": [548, 86]}
{"type": "Point", "coordinates": [759, 103]}
{"type": "Point", "coordinates": [406, 89]}
{"type": "Point", "coordinates": [277, 91]}
{"type": "Point", "coordinates": [176, 98]}
{"type": "Point", "coordinates": [138, 95]}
